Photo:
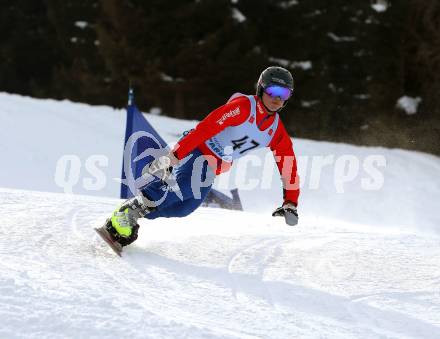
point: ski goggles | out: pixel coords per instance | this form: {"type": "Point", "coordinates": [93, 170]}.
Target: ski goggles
{"type": "Point", "coordinates": [274, 91]}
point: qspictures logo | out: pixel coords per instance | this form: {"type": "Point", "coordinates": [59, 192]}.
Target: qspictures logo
{"type": "Point", "coordinates": [232, 113]}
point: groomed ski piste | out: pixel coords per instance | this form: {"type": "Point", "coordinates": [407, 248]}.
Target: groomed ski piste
{"type": "Point", "coordinates": [362, 263]}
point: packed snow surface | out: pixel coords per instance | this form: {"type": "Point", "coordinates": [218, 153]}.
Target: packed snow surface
{"type": "Point", "coordinates": [363, 262]}
{"type": "Point", "coordinates": [216, 273]}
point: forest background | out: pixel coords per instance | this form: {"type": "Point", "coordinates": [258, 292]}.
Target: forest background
{"type": "Point", "coordinates": [352, 60]}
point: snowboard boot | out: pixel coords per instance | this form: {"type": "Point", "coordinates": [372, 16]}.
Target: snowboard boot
{"type": "Point", "coordinates": [122, 225]}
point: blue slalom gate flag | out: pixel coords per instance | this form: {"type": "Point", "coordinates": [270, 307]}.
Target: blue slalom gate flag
{"type": "Point", "coordinates": [139, 137]}
{"type": "Point", "coordinates": [142, 145]}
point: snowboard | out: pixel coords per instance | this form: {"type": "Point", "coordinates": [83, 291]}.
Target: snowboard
{"type": "Point", "coordinates": [115, 246]}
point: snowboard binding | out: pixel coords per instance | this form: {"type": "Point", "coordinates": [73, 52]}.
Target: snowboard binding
{"type": "Point", "coordinates": [122, 240]}
{"type": "Point", "coordinates": [113, 239]}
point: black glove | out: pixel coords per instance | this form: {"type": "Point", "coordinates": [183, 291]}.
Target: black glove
{"type": "Point", "coordinates": [289, 212]}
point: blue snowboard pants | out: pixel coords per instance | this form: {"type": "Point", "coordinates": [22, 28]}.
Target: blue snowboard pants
{"type": "Point", "coordinates": [193, 181]}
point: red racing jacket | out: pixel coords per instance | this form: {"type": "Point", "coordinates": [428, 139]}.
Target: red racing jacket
{"type": "Point", "coordinates": [219, 119]}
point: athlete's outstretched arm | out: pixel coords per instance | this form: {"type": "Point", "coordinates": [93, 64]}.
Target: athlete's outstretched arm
{"type": "Point", "coordinates": [284, 154]}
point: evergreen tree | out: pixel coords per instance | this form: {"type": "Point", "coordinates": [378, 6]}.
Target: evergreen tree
{"type": "Point", "coordinates": [27, 51]}
{"type": "Point", "coordinates": [187, 57]}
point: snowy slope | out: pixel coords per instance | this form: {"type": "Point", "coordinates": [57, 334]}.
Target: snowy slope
{"type": "Point", "coordinates": [216, 274]}
{"type": "Point", "coordinates": [38, 134]}
{"type": "Point", "coordinates": [363, 263]}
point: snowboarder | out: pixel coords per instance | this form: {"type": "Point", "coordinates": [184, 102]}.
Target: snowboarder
{"type": "Point", "coordinates": [244, 123]}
